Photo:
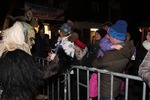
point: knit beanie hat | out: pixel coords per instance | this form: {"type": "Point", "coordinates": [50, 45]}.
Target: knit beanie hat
{"type": "Point", "coordinates": [102, 32]}
{"type": "Point", "coordinates": [79, 43]}
{"type": "Point", "coordinates": [118, 30]}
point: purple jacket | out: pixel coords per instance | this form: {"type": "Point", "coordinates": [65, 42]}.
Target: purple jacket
{"type": "Point", "coordinates": [105, 45]}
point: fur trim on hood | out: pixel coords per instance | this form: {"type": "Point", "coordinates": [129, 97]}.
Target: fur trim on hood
{"type": "Point", "coordinates": [146, 45]}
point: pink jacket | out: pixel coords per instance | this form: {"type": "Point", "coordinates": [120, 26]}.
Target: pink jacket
{"type": "Point", "coordinates": [93, 92]}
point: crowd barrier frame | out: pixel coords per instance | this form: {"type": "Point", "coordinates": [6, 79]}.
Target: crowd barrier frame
{"type": "Point", "coordinates": [50, 87]}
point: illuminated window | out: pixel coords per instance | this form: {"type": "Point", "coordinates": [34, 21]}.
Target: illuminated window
{"type": "Point", "coordinates": [47, 31]}
{"type": "Point", "coordinates": [92, 33]}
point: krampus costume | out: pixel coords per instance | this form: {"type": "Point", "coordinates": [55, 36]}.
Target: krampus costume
{"type": "Point", "coordinates": [19, 74]}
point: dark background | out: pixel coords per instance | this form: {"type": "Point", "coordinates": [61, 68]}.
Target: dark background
{"type": "Point", "coordinates": [135, 12]}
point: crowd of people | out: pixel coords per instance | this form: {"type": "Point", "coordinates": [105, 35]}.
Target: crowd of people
{"type": "Point", "coordinates": [111, 49]}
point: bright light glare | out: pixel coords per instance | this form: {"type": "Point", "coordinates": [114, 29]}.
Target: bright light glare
{"type": "Point", "coordinates": [93, 29]}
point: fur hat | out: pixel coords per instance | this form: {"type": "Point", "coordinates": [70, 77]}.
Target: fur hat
{"type": "Point", "coordinates": [118, 30]}
{"type": "Point", "coordinates": [102, 32]}
{"type": "Point", "coordinates": [14, 38]}
{"type": "Point", "coordinates": [66, 27]}
{"type": "Point", "coordinates": [80, 44]}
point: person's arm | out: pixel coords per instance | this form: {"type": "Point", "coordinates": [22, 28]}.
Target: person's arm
{"type": "Point", "coordinates": [144, 69]}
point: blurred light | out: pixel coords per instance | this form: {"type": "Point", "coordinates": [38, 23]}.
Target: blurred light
{"type": "Point", "coordinates": [47, 31]}
{"type": "Point", "coordinates": [140, 29]}
{"type": "Point", "coordinates": [93, 29]}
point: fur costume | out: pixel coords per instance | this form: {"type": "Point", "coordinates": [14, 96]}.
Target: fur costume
{"type": "Point", "coordinates": [19, 76]}
{"type": "Point", "coordinates": [14, 38]}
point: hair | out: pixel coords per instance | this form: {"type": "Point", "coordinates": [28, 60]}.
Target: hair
{"type": "Point", "coordinates": [148, 30]}
{"type": "Point", "coordinates": [41, 26]}
{"type": "Point", "coordinates": [101, 32]}
{"type": "Point", "coordinates": [107, 24]}
{"type": "Point", "coordinates": [19, 76]}
{"type": "Point", "coordinates": [73, 37]}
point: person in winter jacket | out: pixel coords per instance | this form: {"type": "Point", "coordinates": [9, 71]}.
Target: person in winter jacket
{"type": "Point", "coordinates": [144, 67]}
{"type": "Point", "coordinates": [114, 60]}
{"type": "Point", "coordinates": [142, 63]}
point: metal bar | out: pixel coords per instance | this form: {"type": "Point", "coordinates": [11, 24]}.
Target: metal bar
{"type": "Point", "coordinates": [87, 84]}
{"type": "Point", "coordinates": [78, 93]}
{"type": "Point", "coordinates": [52, 91]}
{"type": "Point", "coordinates": [126, 90]}
{"type": "Point", "coordinates": [111, 90]}
{"type": "Point", "coordinates": [69, 92]}
{"type": "Point", "coordinates": [99, 86]}
{"type": "Point", "coordinates": [58, 90]}
{"type": "Point", "coordinates": [144, 91]}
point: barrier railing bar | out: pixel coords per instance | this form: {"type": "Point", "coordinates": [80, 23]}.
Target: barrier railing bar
{"type": "Point", "coordinates": [144, 93]}
{"type": "Point", "coordinates": [78, 93]}
{"type": "Point", "coordinates": [99, 86]}
{"type": "Point", "coordinates": [69, 89]}
{"type": "Point", "coordinates": [126, 88]}
{"type": "Point", "coordinates": [53, 91]}
{"type": "Point", "coordinates": [109, 72]}
{"type": "Point", "coordinates": [58, 82]}
{"type": "Point", "coordinates": [88, 85]}
{"type": "Point", "coordinates": [112, 82]}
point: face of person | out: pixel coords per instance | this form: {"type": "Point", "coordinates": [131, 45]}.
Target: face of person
{"type": "Point", "coordinates": [62, 34]}
{"type": "Point", "coordinates": [148, 36]}
{"type": "Point", "coordinates": [107, 36]}
{"type": "Point", "coordinates": [106, 27]}
{"type": "Point", "coordinates": [41, 32]}
{"type": "Point", "coordinates": [77, 48]}
{"type": "Point", "coordinates": [97, 36]}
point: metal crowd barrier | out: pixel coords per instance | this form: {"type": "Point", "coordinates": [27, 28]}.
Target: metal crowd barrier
{"type": "Point", "coordinates": [52, 86]}
{"type": "Point", "coordinates": [59, 88]}
{"type": "Point", "coordinates": [112, 74]}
